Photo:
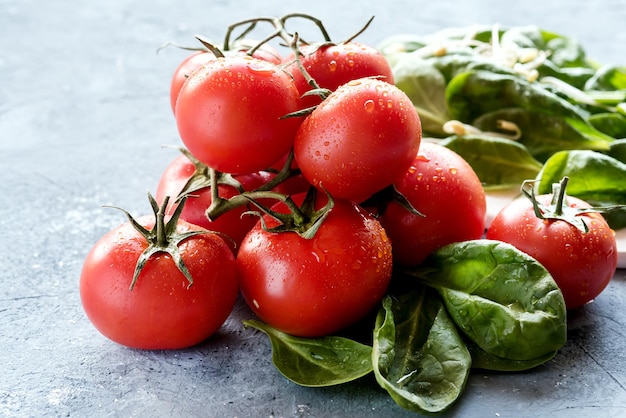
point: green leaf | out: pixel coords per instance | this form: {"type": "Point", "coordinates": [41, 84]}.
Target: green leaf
{"type": "Point", "coordinates": [418, 355]}
{"type": "Point", "coordinates": [613, 124]}
{"type": "Point", "coordinates": [543, 134]}
{"type": "Point", "coordinates": [316, 362]}
{"type": "Point", "coordinates": [498, 162]}
{"type": "Point", "coordinates": [502, 299]}
{"type": "Point", "coordinates": [425, 86]}
{"type": "Point", "coordinates": [618, 150]}
{"type": "Point", "coordinates": [486, 361]}
{"type": "Point", "coordinates": [474, 93]}
{"type": "Point", "coordinates": [608, 78]}
{"type": "Point", "coordinates": [594, 177]}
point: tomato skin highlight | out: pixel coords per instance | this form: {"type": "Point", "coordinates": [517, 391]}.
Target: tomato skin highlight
{"type": "Point", "coordinates": [581, 264]}
{"type": "Point", "coordinates": [161, 312]}
{"type": "Point", "coordinates": [315, 287]}
{"type": "Point", "coordinates": [333, 65]}
{"type": "Point", "coordinates": [229, 114]}
{"type": "Point", "coordinates": [358, 140]}
{"type": "Point", "coordinates": [443, 187]}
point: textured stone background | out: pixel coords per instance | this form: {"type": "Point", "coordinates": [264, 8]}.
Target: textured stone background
{"type": "Point", "coordinates": [84, 111]}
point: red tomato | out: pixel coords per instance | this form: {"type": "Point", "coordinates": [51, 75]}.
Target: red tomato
{"type": "Point", "coordinates": [359, 140]}
{"type": "Point", "coordinates": [443, 187]}
{"type": "Point", "coordinates": [161, 311]}
{"type": "Point", "coordinates": [333, 65]}
{"type": "Point", "coordinates": [582, 264]}
{"type": "Point", "coordinates": [184, 70]}
{"type": "Point", "coordinates": [265, 52]}
{"type": "Point", "coordinates": [199, 58]}
{"type": "Point", "coordinates": [230, 113]}
{"type": "Point", "coordinates": [231, 223]}
{"type": "Point", "coordinates": [314, 287]}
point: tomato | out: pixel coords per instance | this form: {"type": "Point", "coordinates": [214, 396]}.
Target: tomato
{"type": "Point", "coordinates": [332, 65]}
{"type": "Point", "coordinates": [265, 52]}
{"type": "Point", "coordinates": [314, 287]}
{"type": "Point", "coordinates": [161, 311]}
{"type": "Point", "coordinates": [231, 223]}
{"type": "Point", "coordinates": [199, 58]}
{"type": "Point", "coordinates": [229, 114]}
{"type": "Point", "coordinates": [582, 264]}
{"type": "Point", "coordinates": [443, 187]}
{"type": "Point", "coordinates": [359, 140]}
{"type": "Point", "coordinates": [184, 70]}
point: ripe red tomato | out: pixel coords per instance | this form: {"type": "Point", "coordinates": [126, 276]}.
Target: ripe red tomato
{"type": "Point", "coordinates": [332, 65]}
{"type": "Point", "coordinates": [582, 264]}
{"type": "Point", "coordinates": [443, 187]}
{"type": "Point", "coordinates": [314, 287]}
{"type": "Point", "coordinates": [359, 140]}
{"type": "Point", "coordinates": [161, 311]}
{"type": "Point", "coordinates": [231, 223]}
{"type": "Point", "coordinates": [199, 58]}
{"type": "Point", "coordinates": [184, 70]}
{"type": "Point", "coordinates": [230, 113]}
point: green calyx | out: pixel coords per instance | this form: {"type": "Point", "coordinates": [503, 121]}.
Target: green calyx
{"type": "Point", "coordinates": [381, 200]}
{"type": "Point", "coordinates": [304, 220]}
{"type": "Point", "coordinates": [559, 209]}
{"type": "Point", "coordinates": [162, 238]}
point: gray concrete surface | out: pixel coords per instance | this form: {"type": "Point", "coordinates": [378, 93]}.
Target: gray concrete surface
{"type": "Point", "coordinates": [83, 113]}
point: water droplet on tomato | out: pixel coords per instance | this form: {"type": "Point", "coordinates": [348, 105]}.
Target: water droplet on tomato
{"type": "Point", "coordinates": [369, 105]}
{"type": "Point", "coordinates": [332, 66]}
{"type": "Point", "coordinates": [260, 68]}
{"type": "Point", "coordinates": [350, 63]}
{"type": "Point", "coordinates": [389, 104]}
{"type": "Point", "coordinates": [412, 169]}
{"type": "Point", "coordinates": [326, 157]}
{"type": "Point", "coordinates": [354, 83]}
{"type": "Point", "coordinates": [453, 170]}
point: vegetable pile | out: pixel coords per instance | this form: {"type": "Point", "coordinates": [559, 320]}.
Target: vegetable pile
{"type": "Point", "coordinates": [319, 180]}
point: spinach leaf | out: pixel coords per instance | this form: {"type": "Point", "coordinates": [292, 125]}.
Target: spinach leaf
{"type": "Point", "coordinates": [316, 362]}
{"type": "Point", "coordinates": [474, 93]}
{"type": "Point", "coordinates": [425, 86]}
{"type": "Point", "coordinates": [418, 355]}
{"type": "Point", "coordinates": [618, 150]}
{"type": "Point", "coordinates": [574, 76]}
{"type": "Point", "coordinates": [613, 124]}
{"type": "Point", "coordinates": [544, 134]}
{"type": "Point", "coordinates": [483, 360]}
{"type": "Point", "coordinates": [498, 162]}
{"type": "Point", "coordinates": [608, 78]}
{"type": "Point", "coordinates": [594, 177]}
{"type": "Point", "coordinates": [501, 298]}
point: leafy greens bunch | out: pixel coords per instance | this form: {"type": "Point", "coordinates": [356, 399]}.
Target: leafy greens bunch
{"type": "Point", "coordinates": [520, 103]}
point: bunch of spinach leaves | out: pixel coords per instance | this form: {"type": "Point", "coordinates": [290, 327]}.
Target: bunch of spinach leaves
{"type": "Point", "coordinates": [475, 304]}
{"type": "Point", "coordinates": [508, 100]}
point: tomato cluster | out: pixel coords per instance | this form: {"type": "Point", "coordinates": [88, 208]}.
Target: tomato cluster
{"type": "Point", "coordinates": [302, 181]}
